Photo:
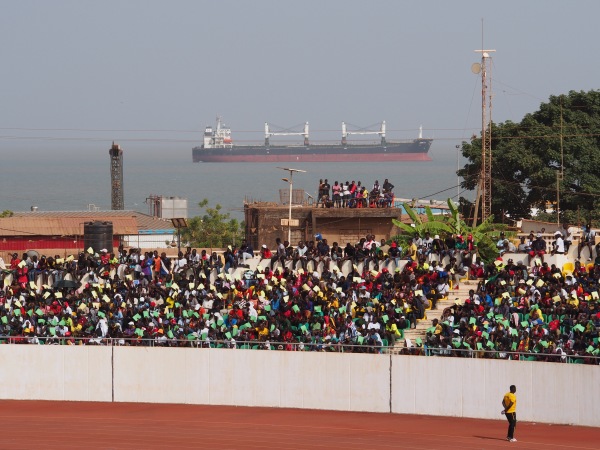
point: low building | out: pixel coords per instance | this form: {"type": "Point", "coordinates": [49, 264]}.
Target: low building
{"type": "Point", "coordinates": [62, 232]}
{"type": "Point", "coordinates": [266, 221]}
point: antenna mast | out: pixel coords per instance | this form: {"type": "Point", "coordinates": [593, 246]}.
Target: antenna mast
{"type": "Point", "coordinates": [485, 181]}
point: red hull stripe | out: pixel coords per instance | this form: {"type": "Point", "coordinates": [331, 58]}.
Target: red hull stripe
{"type": "Point", "coordinates": [360, 157]}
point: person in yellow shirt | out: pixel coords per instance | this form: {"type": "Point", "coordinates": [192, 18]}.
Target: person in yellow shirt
{"type": "Point", "coordinates": [263, 332]}
{"type": "Point", "coordinates": [392, 332]}
{"type": "Point", "coordinates": [412, 251]}
{"type": "Point", "coordinates": [509, 403]}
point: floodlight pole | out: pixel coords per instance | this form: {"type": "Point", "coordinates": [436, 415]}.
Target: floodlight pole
{"type": "Point", "coordinates": [179, 223]}
{"type": "Point", "coordinates": [290, 208]}
{"type": "Point", "coordinates": [291, 183]}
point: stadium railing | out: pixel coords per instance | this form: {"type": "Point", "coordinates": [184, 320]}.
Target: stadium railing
{"type": "Point", "coordinates": [193, 342]}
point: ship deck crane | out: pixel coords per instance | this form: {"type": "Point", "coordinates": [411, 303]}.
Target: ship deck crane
{"type": "Point", "coordinates": [269, 133]}
{"type": "Point", "coordinates": [345, 133]}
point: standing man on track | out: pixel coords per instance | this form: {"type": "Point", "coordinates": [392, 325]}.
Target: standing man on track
{"type": "Point", "coordinates": [509, 402]}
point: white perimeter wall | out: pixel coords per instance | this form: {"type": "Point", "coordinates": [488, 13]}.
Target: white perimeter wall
{"type": "Point", "coordinates": [546, 392]}
{"type": "Point", "coordinates": [253, 378]}
{"type": "Point", "coordinates": [40, 372]}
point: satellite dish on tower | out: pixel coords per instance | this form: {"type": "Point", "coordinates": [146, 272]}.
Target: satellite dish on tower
{"type": "Point", "coordinates": [476, 68]}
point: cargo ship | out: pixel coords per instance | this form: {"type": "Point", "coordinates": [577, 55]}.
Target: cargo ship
{"type": "Point", "coordinates": [218, 146]}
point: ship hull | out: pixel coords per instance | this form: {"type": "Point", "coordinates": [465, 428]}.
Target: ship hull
{"type": "Point", "coordinates": [406, 151]}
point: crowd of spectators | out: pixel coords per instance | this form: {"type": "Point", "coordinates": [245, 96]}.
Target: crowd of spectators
{"type": "Point", "coordinates": [355, 195]}
{"type": "Point", "coordinates": [545, 313]}
{"type": "Point", "coordinates": [536, 246]}
{"type": "Point", "coordinates": [306, 303]}
{"type": "Point", "coordinates": [149, 299]}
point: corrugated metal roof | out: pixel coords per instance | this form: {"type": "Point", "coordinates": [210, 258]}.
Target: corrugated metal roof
{"type": "Point", "coordinates": [70, 223]}
{"type": "Point", "coordinates": [60, 226]}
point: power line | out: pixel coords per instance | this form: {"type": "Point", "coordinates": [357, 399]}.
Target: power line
{"type": "Point", "coordinates": [261, 131]}
{"type": "Point", "coordinates": [195, 141]}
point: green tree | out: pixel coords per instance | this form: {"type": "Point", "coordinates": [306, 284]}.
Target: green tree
{"type": "Point", "coordinates": [6, 213]}
{"type": "Point", "coordinates": [214, 229]}
{"type": "Point", "coordinates": [526, 158]}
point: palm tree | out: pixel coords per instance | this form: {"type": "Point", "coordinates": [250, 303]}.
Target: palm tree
{"type": "Point", "coordinates": [484, 234]}
{"type": "Point", "coordinates": [434, 224]}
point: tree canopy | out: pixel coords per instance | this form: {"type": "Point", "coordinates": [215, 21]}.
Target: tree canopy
{"type": "Point", "coordinates": [526, 157]}
{"type": "Point", "coordinates": [214, 229]}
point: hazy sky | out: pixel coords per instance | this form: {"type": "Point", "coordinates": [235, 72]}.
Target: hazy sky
{"type": "Point", "coordinates": [163, 70]}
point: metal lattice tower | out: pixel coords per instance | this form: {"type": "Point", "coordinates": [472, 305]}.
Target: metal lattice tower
{"type": "Point", "coordinates": [116, 177]}
{"type": "Point", "coordinates": [486, 138]}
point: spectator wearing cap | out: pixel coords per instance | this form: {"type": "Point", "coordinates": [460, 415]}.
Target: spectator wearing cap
{"type": "Point", "coordinates": [558, 247]}
{"type": "Point", "coordinates": [265, 253]}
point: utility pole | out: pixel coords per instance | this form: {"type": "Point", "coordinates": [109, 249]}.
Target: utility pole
{"type": "Point", "coordinates": [560, 174]}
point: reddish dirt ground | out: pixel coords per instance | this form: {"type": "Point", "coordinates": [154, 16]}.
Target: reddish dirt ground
{"type": "Point", "coordinates": [69, 425]}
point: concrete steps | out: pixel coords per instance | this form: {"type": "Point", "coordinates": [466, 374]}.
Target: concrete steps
{"type": "Point", "coordinates": [422, 325]}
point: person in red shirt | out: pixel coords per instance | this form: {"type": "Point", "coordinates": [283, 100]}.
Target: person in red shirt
{"type": "Point", "coordinates": [22, 277]}
{"type": "Point", "coordinates": [265, 253]}
{"type": "Point", "coordinates": [14, 262]}
{"type": "Point", "coordinates": [545, 269]}
{"type": "Point", "coordinates": [104, 257]}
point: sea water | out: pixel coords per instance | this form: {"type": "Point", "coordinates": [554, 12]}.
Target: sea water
{"type": "Point", "coordinates": [70, 180]}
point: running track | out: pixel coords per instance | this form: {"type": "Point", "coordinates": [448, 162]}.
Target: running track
{"type": "Point", "coordinates": [75, 425]}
